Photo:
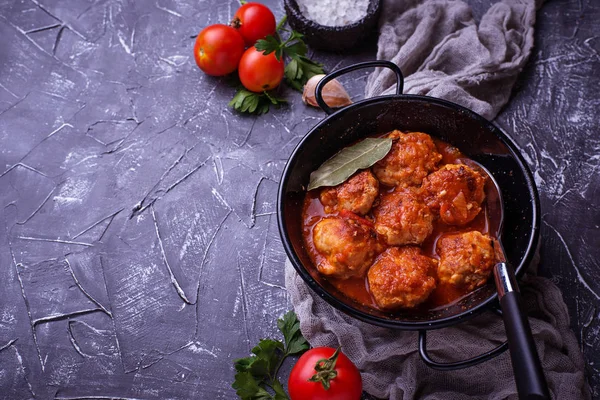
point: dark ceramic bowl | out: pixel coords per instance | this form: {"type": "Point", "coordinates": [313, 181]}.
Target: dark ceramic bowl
{"type": "Point", "coordinates": [333, 38]}
{"type": "Point", "coordinates": [476, 137]}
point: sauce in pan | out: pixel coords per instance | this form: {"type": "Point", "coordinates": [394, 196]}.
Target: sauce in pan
{"type": "Point", "coordinates": [357, 288]}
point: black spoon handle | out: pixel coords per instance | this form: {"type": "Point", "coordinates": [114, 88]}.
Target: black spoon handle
{"type": "Point", "coordinates": [529, 375]}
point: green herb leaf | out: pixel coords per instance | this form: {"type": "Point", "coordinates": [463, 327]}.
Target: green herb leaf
{"type": "Point", "coordinates": [310, 67]}
{"type": "Point", "coordinates": [258, 367]}
{"type": "Point", "coordinates": [349, 160]}
{"type": "Point", "coordinates": [300, 69]}
{"type": "Point", "coordinates": [269, 350]}
{"type": "Point", "coordinates": [295, 36]}
{"type": "Point", "coordinates": [247, 388]}
{"type": "Point", "coordinates": [280, 393]}
{"type": "Point", "coordinates": [258, 372]}
{"type": "Point", "coordinates": [293, 75]}
{"type": "Point", "coordinates": [269, 45]}
{"type": "Point", "coordinates": [243, 364]}
{"type": "Point", "coordinates": [276, 101]}
{"type": "Point", "coordinates": [296, 49]}
{"type": "Point", "coordinates": [254, 103]}
{"type": "Point", "coordinates": [290, 328]}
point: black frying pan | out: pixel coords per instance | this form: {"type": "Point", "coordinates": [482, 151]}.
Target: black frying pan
{"type": "Point", "coordinates": [475, 136]}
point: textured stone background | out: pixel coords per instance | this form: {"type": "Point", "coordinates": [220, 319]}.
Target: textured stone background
{"type": "Point", "coordinates": [139, 251]}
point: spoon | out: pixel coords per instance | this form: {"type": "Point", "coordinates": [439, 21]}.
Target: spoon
{"type": "Point", "coordinates": [527, 368]}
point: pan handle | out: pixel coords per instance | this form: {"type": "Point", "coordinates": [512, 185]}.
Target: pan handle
{"type": "Point", "coordinates": [451, 366]}
{"type": "Point", "coordinates": [529, 375]}
{"type": "Point", "coordinates": [354, 67]}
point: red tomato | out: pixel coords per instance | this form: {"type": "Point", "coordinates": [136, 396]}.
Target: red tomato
{"type": "Point", "coordinates": [218, 49]}
{"type": "Point", "coordinates": [259, 72]}
{"type": "Point", "coordinates": [315, 368]}
{"type": "Point", "coordinates": [254, 21]}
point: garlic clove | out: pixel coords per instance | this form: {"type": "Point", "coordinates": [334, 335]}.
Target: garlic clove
{"type": "Point", "coordinates": [334, 93]}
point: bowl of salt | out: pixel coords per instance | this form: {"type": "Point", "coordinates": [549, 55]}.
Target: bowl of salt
{"type": "Point", "coordinates": [333, 25]}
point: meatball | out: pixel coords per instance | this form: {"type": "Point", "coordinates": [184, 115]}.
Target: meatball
{"type": "Point", "coordinates": [402, 217]}
{"type": "Point", "coordinates": [349, 246]}
{"type": "Point", "coordinates": [402, 277]}
{"type": "Point", "coordinates": [466, 259]}
{"type": "Point", "coordinates": [412, 157]}
{"type": "Point", "coordinates": [356, 194]}
{"type": "Point", "coordinates": [456, 192]}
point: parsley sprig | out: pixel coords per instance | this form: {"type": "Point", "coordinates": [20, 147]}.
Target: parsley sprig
{"type": "Point", "coordinates": [256, 377]}
{"type": "Point", "coordinates": [255, 103]}
{"type": "Point", "coordinates": [298, 70]}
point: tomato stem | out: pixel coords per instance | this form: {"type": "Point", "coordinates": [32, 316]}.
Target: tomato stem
{"type": "Point", "coordinates": [236, 23]}
{"type": "Point", "coordinates": [325, 368]}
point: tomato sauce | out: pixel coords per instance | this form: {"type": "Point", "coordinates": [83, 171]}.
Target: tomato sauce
{"type": "Point", "coordinates": [357, 289]}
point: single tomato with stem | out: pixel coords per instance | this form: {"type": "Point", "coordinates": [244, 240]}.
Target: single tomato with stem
{"type": "Point", "coordinates": [254, 21]}
{"type": "Point", "coordinates": [259, 72]}
{"type": "Point", "coordinates": [218, 49]}
{"type": "Point", "coordinates": [324, 373]}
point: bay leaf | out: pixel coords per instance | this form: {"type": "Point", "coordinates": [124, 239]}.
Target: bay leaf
{"type": "Point", "coordinates": [350, 159]}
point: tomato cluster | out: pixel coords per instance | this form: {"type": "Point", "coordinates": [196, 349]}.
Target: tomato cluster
{"type": "Point", "coordinates": [220, 49]}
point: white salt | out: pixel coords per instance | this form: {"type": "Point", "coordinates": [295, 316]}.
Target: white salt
{"type": "Point", "coordinates": [334, 12]}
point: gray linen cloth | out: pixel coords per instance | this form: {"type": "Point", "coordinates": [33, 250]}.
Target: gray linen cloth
{"type": "Point", "coordinates": [444, 53]}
